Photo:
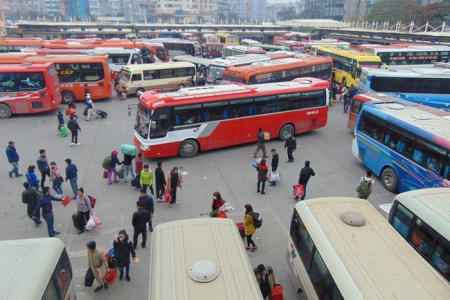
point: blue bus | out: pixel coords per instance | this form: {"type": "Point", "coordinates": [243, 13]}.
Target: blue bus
{"type": "Point", "coordinates": [428, 86]}
{"type": "Point", "coordinates": [406, 146]}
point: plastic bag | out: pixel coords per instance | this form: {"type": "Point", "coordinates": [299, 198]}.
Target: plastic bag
{"type": "Point", "coordinates": [255, 162]}
{"type": "Point", "coordinates": [226, 207]}
{"type": "Point", "coordinates": [275, 176]}
{"type": "Point", "coordinates": [167, 196]}
{"type": "Point", "coordinates": [298, 190]}
{"type": "Point", "coordinates": [90, 224]}
{"type": "Point", "coordinates": [96, 220]}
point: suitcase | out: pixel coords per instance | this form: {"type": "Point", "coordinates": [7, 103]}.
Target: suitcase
{"type": "Point", "coordinates": [64, 131]}
{"type": "Point", "coordinates": [128, 149]}
{"type": "Point", "coordinates": [70, 111]}
{"type": "Point", "coordinates": [136, 182]}
{"type": "Point", "coordinates": [102, 113]}
{"type": "Point", "coordinates": [75, 220]}
{"type": "Point", "coordinates": [241, 229]}
{"type": "Point", "coordinates": [110, 276]}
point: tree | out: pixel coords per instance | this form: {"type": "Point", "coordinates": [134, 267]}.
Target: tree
{"type": "Point", "coordinates": [287, 13]}
{"type": "Point", "coordinates": [312, 13]}
{"type": "Point", "coordinates": [134, 31]}
{"type": "Point", "coordinates": [435, 13]}
{"type": "Point", "coordinates": [391, 11]}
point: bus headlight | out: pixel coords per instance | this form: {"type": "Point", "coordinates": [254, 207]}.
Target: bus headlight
{"type": "Point", "coordinates": [145, 147]}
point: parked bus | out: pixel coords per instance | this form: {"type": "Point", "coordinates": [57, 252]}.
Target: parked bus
{"type": "Point", "coordinates": [342, 248]}
{"type": "Point", "coordinates": [75, 72]}
{"type": "Point", "coordinates": [288, 36]}
{"type": "Point", "coordinates": [311, 47]}
{"type": "Point", "coordinates": [201, 64]}
{"type": "Point", "coordinates": [212, 50]}
{"type": "Point", "coordinates": [28, 88]}
{"type": "Point", "coordinates": [411, 55]}
{"type": "Point", "coordinates": [35, 269]}
{"type": "Point", "coordinates": [273, 48]}
{"type": "Point", "coordinates": [16, 44]}
{"type": "Point", "coordinates": [228, 38]}
{"type": "Point", "coordinates": [347, 64]}
{"type": "Point", "coordinates": [192, 37]}
{"type": "Point", "coordinates": [203, 259]}
{"type": "Point", "coordinates": [280, 70]}
{"type": "Point", "coordinates": [293, 46]}
{"type": "Point", "coordinates": [210, 38]}
{"type": "Point", "coordinates": [401, 144]}
{"type": "Point", "coordinates": [199, 119]}
{"type": "Point", "coordinates": [248, 42]}
{"type": "Point", "coordinates": [164, 77]}
{"type": "Point", "coordinates": [177, 47]}
{"type": "Point", "coordinates": [240, 50]}
{"type": "Point", "coordinates": [422, 218]}
{"type": "Point", "coordinates": [428, 86]}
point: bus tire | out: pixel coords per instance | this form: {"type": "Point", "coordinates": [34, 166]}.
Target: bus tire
{"type": "Point", "coordinates": [284, 132]}
{"type": "Point", "coordinates": [188, 148]}
{"type": "Point", "coordinates": [389, 179]}
{"type": "Point", "coordinates": [5, 111]}
{"type": "Point", "coordinates": [139, 92]}
{"type": "Point", "coordinates": [68, 96]}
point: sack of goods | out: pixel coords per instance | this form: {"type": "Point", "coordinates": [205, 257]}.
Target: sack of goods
{"type": "Point", "coordinates": [128, 149]}
{"type": "Point", "coordinates": [64, 131]}
{"type": "Point", "coordinates": [121, 172]}
{"type": "Point", "coordinates": [274, 176]}
{"type": "Point", "coordinates": [266, 136]}
{"type": "Point", "coordinates": [255, 162]}
{"type": "Point", "coordinates": [226, 207]}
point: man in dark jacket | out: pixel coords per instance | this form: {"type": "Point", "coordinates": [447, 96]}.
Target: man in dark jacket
{"type": "Point", "coordinates": [30, 197]}
{"type": "Point", "coordinates": [147, 202]}
{"type": "Point", "coordinates": [260, 144]}
{"type": "Point", "coordinates": [139, 222]}
{"type": "Point", "coordinates": [47, 210]}
{"type": "Point", "coordinates": [74, 127]}
{"type": "Point", "coordinates": [43, 166]}
{"type": "Point", "coordinates": [13, 158]}
{"type": "Point", "coordinates": [291, 145]}
{"type": "Point", "coordinates": [128, 167]}
{"type": "Point", "coordinates": [305, 173]}
{"type": "Point", "coordinates": [274, 163]}
{"type": "Point", "coordinates": [71, 174]}
{"type": "Point", "coordinates": [160, 182]}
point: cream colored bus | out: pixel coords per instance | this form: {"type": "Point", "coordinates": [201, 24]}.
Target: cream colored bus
{"type": "Point", "coordinates": [200, 259]}
{"type": "Point", "coordinates": [342, 248]}
{"type": "Point", "coordinates": [35, 269]}
{"type": "Point", "coordinates": [158, 76]}
{"type": "Point", "coordinates": [422, 217]}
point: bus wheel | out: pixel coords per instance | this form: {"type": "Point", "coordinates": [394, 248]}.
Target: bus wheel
{"type": "Point", "coordinates": [68, 97]}
{"type": "Point", "coordinates": [5, 111]}
{"type": "Point", "coordinates": [284, 132]}
{"type": "Point", "coordinates": [188, 148]}
{"type": "Point", "coordinates": [390, 180]}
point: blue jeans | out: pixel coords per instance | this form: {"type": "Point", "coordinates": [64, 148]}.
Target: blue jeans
{"type": "Point", "coordinates": [73, 184]}
{"type": "Point", "coordinates": [127, 269]}
{"type": "Point", "coordinates": [57, 187]}
{"type": "Point", "coordinates": [50, 220]}
{"type": "Point", "coordinates": [15, 169]}
{"type": "Point", "coordinates": [128, 168]}
{"type": "Point", "coordinates": [150, 224]}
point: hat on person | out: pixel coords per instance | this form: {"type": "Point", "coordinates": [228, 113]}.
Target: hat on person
{"type": "Point", "coordinates": [115, 152]}
{"type": "Point", "coordinates": [11, 143]}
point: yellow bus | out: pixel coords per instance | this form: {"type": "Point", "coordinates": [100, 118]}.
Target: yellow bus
{"type": "Point", "coordinates": [35, 269]}
{"type": "Point", "coordinates": [422, 217]}
{"type": "Point", "coordinates": [347, 64]}
{"type": "Point", "coordinates": [228, 38]}
{"type": "Point", "coordinates": [163, 76]}
{"type": "Point", "coordinates": [200, 259]}
{"type": "Point", "coordinates": [342, 248]}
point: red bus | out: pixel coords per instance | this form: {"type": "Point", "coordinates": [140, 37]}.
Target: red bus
{"type": "Point", "coordinates": [192, 120]}
{"type": "Point", "coordinates": [289, 36]}
{"type": "Point", "coordinates": [294, 46]}
{"type": "Point", "coordinates": [212, 50]}
{"type": "Point", "coordinates": [278, 70]}
{"type": "Point", "coordinates": [28, 88]}
{"type": "Point", "coordinates": [75, 72]}
{"type": "Point", "coordinates": [192, 37]}
{"type": "Point", "coordinates": [15, 44]}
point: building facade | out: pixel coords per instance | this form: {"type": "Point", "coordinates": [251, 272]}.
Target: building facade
{"type": "Point", "coordinates": [2, 20]}
{"type": "Point", "coordinates": [251, 9]}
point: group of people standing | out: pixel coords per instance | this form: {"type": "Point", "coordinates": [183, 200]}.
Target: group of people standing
{"type": "Point", "coordinates": [344, 93]}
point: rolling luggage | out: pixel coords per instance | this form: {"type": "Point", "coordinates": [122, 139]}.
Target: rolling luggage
{"type": "Point", "coordinates": [75, 220]}
{"type": "Point", "coordinates": [102, 113]}
{"type": "Point", "coordinates": [128, 149]}
{"type": "Point", "coordinates": [64, 131]}
{"type": "Point", "coordinates": [241, 229]}
{"type": "Point", "coordinates": [136, 182]}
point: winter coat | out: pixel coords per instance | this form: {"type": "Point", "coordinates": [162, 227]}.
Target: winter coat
{"type": "Point", "coordinates": [122, 251]}
{"type": "Point", "coordinates": [146, 177]}
{"type": "Point", "coordinates": [262, 172]}
{"type": "Point", "coordinates": [248, 225]}
{"type": "Point", "coordinates": [12, 155]}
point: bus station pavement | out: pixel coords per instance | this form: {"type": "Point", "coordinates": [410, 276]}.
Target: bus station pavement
{"type": "Point", "coordinates": [226, 170]}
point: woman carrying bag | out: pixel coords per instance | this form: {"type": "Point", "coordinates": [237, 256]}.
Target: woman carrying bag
{"type": "Point", "coordinates": [84, 211]}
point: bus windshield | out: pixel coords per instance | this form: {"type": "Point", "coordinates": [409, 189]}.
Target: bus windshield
{"type": "Point", "coordinates": [142, 124]}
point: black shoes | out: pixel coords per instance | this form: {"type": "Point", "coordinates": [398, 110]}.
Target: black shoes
{"type": "Point", "coordinates": [105, 285]}
{"type": "Point", "coordinates": [98, 288]}
{"type": "Point", "coordinates": [258, 191]}
{"type": "Point", "coordinates": [143, 245]}
{"type": "Point", "coordinates": [128, 278]}
{"type": "Point", "coordinates": [262, 193]}
{"type": "Point", "coordinates": [57, 232]}
{"type": "Point", "coordinates": [120, 276]}
{"type": "Point", "coordinates": [80, 232]}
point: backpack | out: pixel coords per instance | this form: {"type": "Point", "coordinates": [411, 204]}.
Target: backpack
{"type": "Point", "coordinates": [107, 162]}
{"type": "Point", "coordinates": [364, 188]}
{"type": "Point", "coordinates": [257, 220]}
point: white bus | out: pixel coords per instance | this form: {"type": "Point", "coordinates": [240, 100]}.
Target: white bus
{"type": "Point", "coordinates": [248, 42]}
{"type": "Point", "coordinates": [342, 248]}
{"type": "Point", "coordinates": [422, 217]}
{"type": "Point", "coordinates": [200, 259]}
{"type": "Point", "coordinates": [201, 64]}
{"type": "Point", "coordinates": [164, 77]}
{"type": "Point", "coordinates": [35, 269]}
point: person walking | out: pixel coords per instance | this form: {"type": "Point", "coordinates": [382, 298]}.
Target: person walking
{"type": "Point", "coordinates": [98, 264]}
{"type": "Point", "coordinates": [72, 174]}
{"type": "Point", "coordinates": [291, 146]}
{"type": "Point", "coordinates": [346, 101]}
{"type": "Point", "coordinates": [139, 164]}
{"type": "Point", "coordinates": [60, 119]}
{"type": "Point", "coordinates": [305, 174]}
{"type": "Point", "coordinates": [262, 170]}
{"type": "Point", "coordinates": [32, 178]}
{"type": "Point", "coordinates": [112, 167]}
{"type": "Point", "coordinates": [74, 128]}
{"type": "Point", "coordinates": [342, 91]}
{"type": "Point", "coordinates": [13, 158]}
{"type": "Point", "coordinates": [249, 228]}
{"type": "Point", "coordinates": [149, 205]}
{"type": "Point", "coordinates": [146, 178]}
{"type": "Point", "coordinates": [260, 144]}
{"type": "Point", "coordinates": [274, 164]}
{"type": "Point", "coordinates": [56, 179]}
{"type": "Point", "coordinates": [365, 186]}
{"type": "Point", "coordinates": [334, 91]}
{"type": "Point", "coordinates": [128, 167]}
{"type": "Point", "coordinates": [139, 221]}
{"type": "Point", "coordinates": [30, 197]}
{"type": "Point", "coordinates": [43, 166]}
{"type": "Point", "coordinates": [90, 108]}
{"type": "Point", "coordinates": [265, 278]}
{"type": "Point", "coordinates": [84, 210]}
{"type": "Point", "coordinates": [123, 248]}
{"type": "Point", "coordinates": [174, 180]}
{"type": "Point", "coordinates": [47, 210]}
{"type": "Point", "coordinates": [160, 182]}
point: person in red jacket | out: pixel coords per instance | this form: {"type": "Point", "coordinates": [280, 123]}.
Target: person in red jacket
{"type": "Point", "coordinates": [262, 170]}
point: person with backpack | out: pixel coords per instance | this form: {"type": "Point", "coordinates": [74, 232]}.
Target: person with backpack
{"type": "Point", "coordinates": [123, 248]}
{"type": "Point", "coordinates": [305, 174]}
{"type": "Point", "coordinates": [31, 197]}
{"type": "Point", "coordinates": [112, 167]}
{"type": "Point", "coordinates": [365, 186]}
{"type": "Point", "coordinates": [249, 227]}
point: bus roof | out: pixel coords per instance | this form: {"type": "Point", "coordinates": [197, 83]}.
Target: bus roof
{"type": "Point", "coordinates": [360, 56]}
{"type": "Point", "coordinates": [430, 205]}
{"type": "Point", "coordinates": [412, 72]}
{"type": "Point", "coordinates": [158, 66]}
{"type": "Point", "coordinates": [239, 59]}
{"type": "Point", "coordinates": [286, 61]}
{"type": "Point", "coordinates": [25, 272]}
{"type": "Point", "coordinates": [376, 50]}
{"type": "Point", "coordinates": [177, 245]}
{"type": "Point", "coordinates": [193, 59]}
{"type": "Point", "coordinates": [376, 263]}
{"type": "Point", "coordinates": [243, 48]}
{"type": "Point", "coordinates": [63, 58]}
{"type": "Point", "coordinates": [4, 67]}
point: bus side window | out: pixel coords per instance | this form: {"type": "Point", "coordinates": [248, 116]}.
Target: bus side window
{"type": "Point", "coordinates": [136, 77]}
{"type": "Point", "coordinates": [402, 220]}
{"type": "Point", "coordinates": [417, 156]}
